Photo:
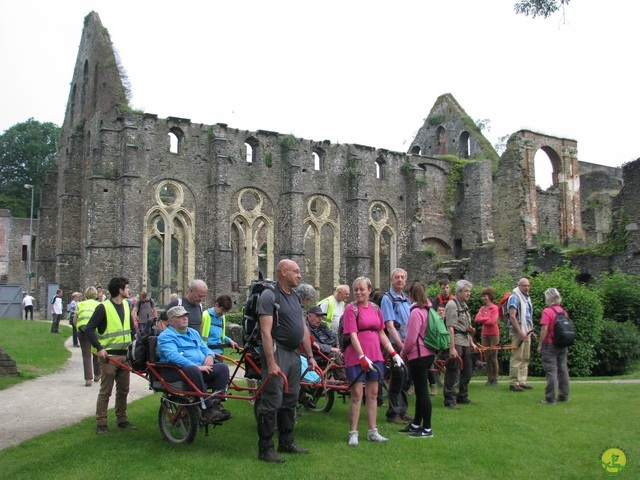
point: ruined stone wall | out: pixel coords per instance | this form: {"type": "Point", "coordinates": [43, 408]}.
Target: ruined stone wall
{"type": "Point", "coordinates": [548, 214]}
{"type": "Point", "coordinates": [13, 233]}
{"type": "Point", "coordinates": [626, 216]}
{"type": "Point", "coordinates": [473, 213]}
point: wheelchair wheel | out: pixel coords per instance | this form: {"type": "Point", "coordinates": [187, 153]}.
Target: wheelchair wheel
{"type": "Point", "coordinates": [178, 422]}
{"type": "Point", "coordinates": [317, 399]}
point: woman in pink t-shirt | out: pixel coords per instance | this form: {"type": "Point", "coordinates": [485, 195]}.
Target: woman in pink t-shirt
{"type": "Point", "coordinates": [488, 317]}
{"type": "Point", "coordinates": [419, 359]}
{"type": "Point", "coordinates": [362, 322]}
{"type": "Point", "coordinates": [554, 359]}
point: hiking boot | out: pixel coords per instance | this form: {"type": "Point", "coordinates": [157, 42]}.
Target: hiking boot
{"type": "Point", "coordinates": [395, 419]}
{"type": "Point", "coordinates": [102, 430]}
{"type": "Point", "coordinates": [407, 418]}
{"type": "Point", "coordinates": [526, 387]}
{"type": "Point", "coordinates": [422, 433]}
{"type": "Point", "coordinates": [219, 408]}
{"type": "Point", "coordinates": [545, 402]}
{"type": "Point", "coordinates": [566, 399]}
{"type": "Point", "coordinates": [466, 402]}
{"type": "Point", "coordinates": [516, 388]}
{"type": "Point", "coordinates": [96, 378]}
{"type": "Point", "coordinates": [374, 436]}
{"type": "Point", "coordinates": [433, 390]}
{"type": "Point", "coordinates": [211, 415]}
{"type": "Point", "coordinates": [353, 438]}
{"type": "Point", "coordinates": [270, 456]}
{"type": "Point", "coordinates": [127, 426]}
{"type": "Point", "coordinates": [87, 383]}
{"type": "Point", "coordinates": [452, 406]}
{"type": "Point", "coordinates": [409, 429]}
{"type": "Point", "coordinates": [292, 448]}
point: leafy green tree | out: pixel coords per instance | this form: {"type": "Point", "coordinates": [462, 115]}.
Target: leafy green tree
{"type": "Point", "coordinates": [620, 296]}
{"type": "Point", "coordinates": [539, 8]}
{"type": "Point", "coordinates": [27, 151]}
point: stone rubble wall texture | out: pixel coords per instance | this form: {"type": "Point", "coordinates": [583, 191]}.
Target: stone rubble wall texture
{"type": "Point", "coordinates": [119, 188]}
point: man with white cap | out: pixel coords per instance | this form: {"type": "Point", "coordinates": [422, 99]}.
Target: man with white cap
{"type": "Point", "coordinates": [181, 345]}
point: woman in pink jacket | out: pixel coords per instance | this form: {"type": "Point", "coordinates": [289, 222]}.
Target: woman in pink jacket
{"type": "Point", "coordinates": [419, 359]}
{"type": "Point", "coordinates": [488, 317]}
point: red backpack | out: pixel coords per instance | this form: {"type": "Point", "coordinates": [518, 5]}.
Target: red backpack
{"type": "Point", "coordinates": [503, 307]}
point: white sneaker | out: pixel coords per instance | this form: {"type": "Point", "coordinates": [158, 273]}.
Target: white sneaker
{"type": "Point", "coordinates": [353, 438]}
{"type": "Point", "coordinates": [374, 436]}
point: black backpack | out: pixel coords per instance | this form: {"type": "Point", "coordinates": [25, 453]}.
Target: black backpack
{"type": "Point", "coordinates": [563, 333]}
{"type": "Point", "coordinates": [251, 335]}
{"type": "Point", "coordinates": [138, 351]}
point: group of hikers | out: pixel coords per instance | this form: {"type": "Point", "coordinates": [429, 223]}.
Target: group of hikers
{"type": "Point", "coordinates": [360, 333]}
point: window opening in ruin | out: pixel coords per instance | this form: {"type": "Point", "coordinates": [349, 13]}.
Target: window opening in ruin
{"type": "Point", "coordinates": [415, 150]}
{"type": "Point", "coordinates": [252, 154]}
{"type": "Point", "coordinates": [382, 244]}
{"type": "Point", "coordinates": [154, 267]}
{"type": "Point", "coordinates": [322, 244]}
{"type": "Point", "coordinates": [441, 137]}
{"type": "Point", "coordinates": [316, 161]}
{"type": "Point", "coordinates": [464, 145]}
{"type": "Point", "coordinates": [543, 170]}
{"type": "Point", "coordinates": [25, 253]}
{"type": "Point", "coordinates": [168, 194]}
{"type": "Point", "coordinates": [173, 142]}
{"type": "Point", "coordinates": [380, 173]}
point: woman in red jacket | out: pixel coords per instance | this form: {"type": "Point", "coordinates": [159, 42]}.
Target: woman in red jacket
{"type": "Point", "coordinates": [488, 317]}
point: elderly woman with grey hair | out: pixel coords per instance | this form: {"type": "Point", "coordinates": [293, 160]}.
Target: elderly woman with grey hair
{"type": "Point", "coordinates": [554, 358]}
{"type": "Point", "coordinates": [308, 294]}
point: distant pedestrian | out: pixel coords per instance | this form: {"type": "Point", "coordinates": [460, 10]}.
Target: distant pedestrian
{"type": "Point", "coordinates": [27, 304]}
{"type": "Point", "coordinates": [72, 307]}
{"type": "Point", "coordinates": [56, 310]}
{"type": "Point", "coordinates": [85, 310]}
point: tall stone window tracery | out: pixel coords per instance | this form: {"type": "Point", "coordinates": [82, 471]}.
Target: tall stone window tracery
{"type": "Point", "coordinates": [252, 236]}
{"type": "Point", "coordinates": [322, 244]}
{"type": "Point", "coordinates": [169, 246]}
{"type": "Point", "coordinates": [382, 243]}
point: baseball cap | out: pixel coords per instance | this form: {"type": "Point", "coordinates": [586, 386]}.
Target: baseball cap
{"type": "Point", "coordinates": [316, 311]}
{"type": "Point", "coordinates": [176, 311]}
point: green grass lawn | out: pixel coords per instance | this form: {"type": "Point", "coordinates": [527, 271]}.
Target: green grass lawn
{"type": "Point", "coordinates": [31, 344]}
{"type": "Point", "coordinates": [507, 435]}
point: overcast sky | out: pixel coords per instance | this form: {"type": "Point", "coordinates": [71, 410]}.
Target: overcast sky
{"type": "Point", "coordinates": [364, 72]}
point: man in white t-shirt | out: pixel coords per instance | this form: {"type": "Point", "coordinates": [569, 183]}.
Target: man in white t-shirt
{"type": "Point", "coordinates": [27, 304]}
{"type": "Point", "coordinates": [56, 311]}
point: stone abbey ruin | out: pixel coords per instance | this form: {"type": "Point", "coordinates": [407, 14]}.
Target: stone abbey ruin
{"type": "Point", "coordinates": [163, 200]}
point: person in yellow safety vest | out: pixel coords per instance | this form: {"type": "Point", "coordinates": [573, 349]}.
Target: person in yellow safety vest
{"type": "Point", "coordinates": [334, 305]}
{"type": "Point", "coordinates": [214, 325]}
{"type": "Point", "coordinates": [81, 318]}
{"type": "Point", "coordinates": [111, 331]}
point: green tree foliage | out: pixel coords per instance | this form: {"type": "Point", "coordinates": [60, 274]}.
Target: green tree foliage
{"type": "Point", "coordinates": [27, 151]}
{"type": "Point", "coordinates": [619, 348]}
{"type": "Point", "coordinates": [585, 310]}
{"type": "Point", "coordinates": [620, 296]}
{"type": "Point", "coordinates": [539, 8]}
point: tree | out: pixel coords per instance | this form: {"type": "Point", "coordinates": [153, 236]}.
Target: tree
{"type": "Point", "coordinates": [542, 8]}
{"type": "Point", "coordinates": [27, 151]}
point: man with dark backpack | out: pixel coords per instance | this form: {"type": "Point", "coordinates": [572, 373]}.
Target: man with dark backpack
{"type": "Point", "coordinates": [395, 313]}
{"type": "Point", "coordinates": [555, 334]}
{"type": "Point", "coordinates": [282, 330]}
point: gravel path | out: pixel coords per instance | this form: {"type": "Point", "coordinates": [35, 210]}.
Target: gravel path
{"type": "Point", "coordinates": [55, 401]}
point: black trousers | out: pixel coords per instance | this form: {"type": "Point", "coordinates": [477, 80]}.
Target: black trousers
{"type": "Point", "coordinates": [277, 409]}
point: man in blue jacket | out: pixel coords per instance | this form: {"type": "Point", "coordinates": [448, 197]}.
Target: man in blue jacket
{"type": "Point", "coordinates": [181, 345]}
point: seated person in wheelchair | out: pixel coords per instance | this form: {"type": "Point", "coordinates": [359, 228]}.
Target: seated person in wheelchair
{"type": "Point", "coordinates": [182, 346]}
{"type": "Point", "coordinates": [324, 339]}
